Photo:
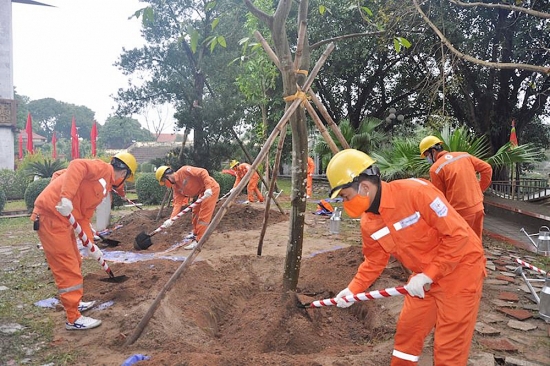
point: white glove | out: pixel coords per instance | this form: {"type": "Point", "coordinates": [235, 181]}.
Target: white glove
{"type": "Point", "coordinates": [207, 193]}
{"type": "Point", "coordinates": [415, 287]}
{"type": "Point", "coordinates": [64, 207]}
{"type": "Point", "coordinates": [168, 223]}
{"type": "Point", "coordinates": [341, 303]}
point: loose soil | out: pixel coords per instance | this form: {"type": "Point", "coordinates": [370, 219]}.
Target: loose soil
{"type": "Point", "coordinates": [227, 308]}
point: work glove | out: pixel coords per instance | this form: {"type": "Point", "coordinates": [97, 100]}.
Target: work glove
{"type": "Point", "coordinates": [94, 232]}
{"type": "Point", "coordinates": [207, 193]}
{"type": "Point", "coordinates": [340, 302]}
{"type": "Point", "coordinates": [64, 207]}
{"type": "Point", "coordinates": [415, 287]}
{"type": "Point", "coordinates": [168, 223]}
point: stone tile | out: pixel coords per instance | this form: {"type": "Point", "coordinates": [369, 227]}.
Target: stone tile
{"type": "Point", "coordinates": [498, 344]}
{"type": "Point", "coordinates": [510, 267]}
{"type": "Point", "coordinates": [523, 287]}
{"type": "Point", "coordinates": [503, 303]}
{"type": "Point", "coordinates": [505, 278]}
{"type": "Point", "coordinates": [507, 274]}
{"type": "Point", "coordinates": [492, 318]}
{"type": "Point", "coordinates": [481, 359]}
{"type": "Point", "coordinates": [519, 314]}
{"type": "Point", "coordinates": [494, 252]}
{"type": "Point", "coordinates": [490, 265]}
{"type": "Point", "coordinates": [533, 307]}
{"type": "Point", "coordinates": [486, 330]}
{"type": "Point", "coordinates": [515, 361]}
{"type": "Point", "coordinates": [508, 296]}
{"type": "Point", "coordinates": [525, 326]}
{"type": "Point", "coordinates": [491, 281]}
{"type": "Point", "coordinates": [501, 268]}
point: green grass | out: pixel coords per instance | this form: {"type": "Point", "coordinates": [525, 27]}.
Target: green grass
{"type": "Point", "coordinates": [15, 205]}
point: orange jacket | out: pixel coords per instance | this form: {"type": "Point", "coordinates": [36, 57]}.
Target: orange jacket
{"type": "Point", "coordinates": [241, 171]}
{"type": "Point", "coordinates": [85, 182]}
{"type": "Point", "coordinates": [418, 227]}
{"type": "Point", "coordinates": [190, 181]}
{"type": "Point", "coordinates": [310, 166]}
{"type": "Point", "coordinates": [120, 190]}
{"type": "Point", "coordinates": [454, 174]}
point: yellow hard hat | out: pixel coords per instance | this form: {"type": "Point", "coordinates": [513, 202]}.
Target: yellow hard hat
{"type": "Point", "coordinates": [428, 142]}
{"type": "Point", "coordinates": [345, 166]}
{"type": "Point", "coordinates": [233, 163]}
{"type": "Point", "coordinates": [130, 163]}
{"type": "Point", "coordinates": [159, 174]}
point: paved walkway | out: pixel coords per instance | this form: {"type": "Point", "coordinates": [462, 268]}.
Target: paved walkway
{"type": "Point", "coordinates": [503, 228]}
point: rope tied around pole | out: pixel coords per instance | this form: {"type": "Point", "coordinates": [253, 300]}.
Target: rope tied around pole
{"type": "Point", "coordinates": [303, 72]}
{"type": "Point", "coordinates": [298, 95]}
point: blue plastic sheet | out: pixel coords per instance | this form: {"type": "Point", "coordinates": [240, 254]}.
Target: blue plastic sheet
{"type": "Point", "coordinates": [134, 358]}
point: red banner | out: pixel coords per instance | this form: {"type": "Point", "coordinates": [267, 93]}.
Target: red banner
{"type": "Point", "coordinates": [28, 128]}
{"type": "Point", "coordinates": [20, 146]}
{"type": "Point", "coordinates": [54, 147]}
{"type": "Point", "coordinates": [75, 154]}
{"type": "Point", "coordinates": [513, 137]}
{"type": "Point", "coordinates": [93, 139]}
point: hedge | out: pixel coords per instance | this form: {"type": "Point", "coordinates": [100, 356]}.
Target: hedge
{"type": "Point", "coordinates": [148, 190]}
{"type": "Point", "coordinates": [33, 190]}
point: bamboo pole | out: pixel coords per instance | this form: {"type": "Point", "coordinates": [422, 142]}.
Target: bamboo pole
{"type": "Point", "coordinates": [272, 188]}
{"type": "Point", "coordinates": [322, 129]}
{"type": "Point", "coordinates": [300, 47]}
{"type": "Point", "coordinates": [333, 126]}
{"type": "Point", "coordinates": [268, 49]}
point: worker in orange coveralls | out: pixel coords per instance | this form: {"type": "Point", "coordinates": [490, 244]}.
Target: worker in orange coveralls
{"type": "Point", "coordinates": [252, 189]}
{"type": "Point", "coordinates": [77, 190]}
{"type": "Point", "coordinates": [455, 174]}
{"type": "Point", "coordinates": [411, 220]}
{"type": "Point", "coordinates": [310, 171]}
{"type": "Point", "coordinates": [189, 181]}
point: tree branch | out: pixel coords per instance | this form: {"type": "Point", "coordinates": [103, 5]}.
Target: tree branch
{"type": "Point", "coordinates": [502, 6]}
{"type": "Point", "coordinates": [266, 18]}
{"type": "Point", "coordinates": [463, 56]}
{"type": "Point", "coordinates": [346, 36]}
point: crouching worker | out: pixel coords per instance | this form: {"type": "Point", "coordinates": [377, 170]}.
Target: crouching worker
{"type": "Point", "coordinates": [252, 189]}
{"type": "Point", "coordinates": [79, 190]}
{"type": "Point", "coordinates": [186, 182]}
{"type": "Point", "coordinates": [411, 220]}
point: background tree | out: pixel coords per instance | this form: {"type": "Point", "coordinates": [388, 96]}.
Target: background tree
{"type": "Point", "coordinates": [121, 132]}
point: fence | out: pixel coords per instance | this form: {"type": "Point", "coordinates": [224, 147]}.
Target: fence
{"type": "Point", "coordinates": [525, 189]}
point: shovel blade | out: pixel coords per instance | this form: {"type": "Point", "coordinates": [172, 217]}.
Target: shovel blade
{"type": "Point", "coordinates": [110, 242]}
{"type": "Point", "coordinates": [143, 241]}
{"type": "Point", "coordinates": [115, 279]}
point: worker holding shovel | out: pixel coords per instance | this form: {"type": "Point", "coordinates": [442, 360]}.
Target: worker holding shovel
{"type": "Point", "coordinates": [186, 182]}
{"type": "Point", "coordinates": [411, 220]}
{"type": "Point", "coordinates": [252, 189]}
{"type": "Point", "coordinates": [76, 193]}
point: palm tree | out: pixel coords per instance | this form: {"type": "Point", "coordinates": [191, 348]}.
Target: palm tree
{"type": "Point", "coordinates": [45, 168]}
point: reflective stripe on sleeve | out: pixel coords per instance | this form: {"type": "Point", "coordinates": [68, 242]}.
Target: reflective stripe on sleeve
{"type": "Point", "coordinates": [405, 356]}
{"type": "Point", "coordinates": [69, 289]}
{"type": "Point", "coordinates": [419, 181]}
{"type": "Point", "coordinates": [407, 221]}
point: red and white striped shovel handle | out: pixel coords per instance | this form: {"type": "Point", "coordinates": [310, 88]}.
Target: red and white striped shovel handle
{"type": "Point", "coordinates": [187, 209]}
{"type": "Point", "coordinates": [525, 264]}
{"type": "Point", "coordinates": [93, 249]}
{"type": "Point", "coordinates": [363, 296]}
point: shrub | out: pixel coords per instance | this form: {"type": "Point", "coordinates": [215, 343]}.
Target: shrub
{"type": "Point", "coordinates": [33, 190]}
{"type": "Point", "coordinates": [2, 199]}
{"type": "Point", "coordinates": [225, 181]}
{"type": "Point", "coordinates": [146, 168]}
{"type": "Point", "coordinates": [148, 190]}
{"type": "Point", "coordinates": [13, 183]}
{"type": "Point", "coordinates": [44, 168]}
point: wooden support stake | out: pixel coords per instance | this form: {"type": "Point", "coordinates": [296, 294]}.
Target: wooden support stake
{"type": "Point", "coordinates": [300, 47]}
{"type": "Point", "coordinates": [333, 126]}
{"type": "Point", "coordinates": [322, 129]}
{"type": "Point", "coordinates": [268, 50]}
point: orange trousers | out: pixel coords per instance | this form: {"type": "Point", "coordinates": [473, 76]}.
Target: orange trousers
{"type": "Point", "coordinates": [59, 243]}
{"type": "Point", "coordinates": [202, 213]}
{"type": "Point", "coordinates": [252, 189]}
{"type": "Point", "coordinates": [309, 185]}
{"type": "Point", "coordinates": [451, 306]}
{"type": "Point", "coordinates": [475, 221]}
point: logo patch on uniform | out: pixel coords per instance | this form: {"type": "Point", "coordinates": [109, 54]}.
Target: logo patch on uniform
{"type": "Point", "coordinates": [439, 207]}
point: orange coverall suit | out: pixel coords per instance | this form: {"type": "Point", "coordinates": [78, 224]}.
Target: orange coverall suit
{"type": "Point", "coordinates": [454, 174]}
{"type": "Point", "coordinates": [310, 171]}
{"type": "Point", "coordinates": [252, 188]}
{"type": "Point", "coordinates": [417, 226]}
{"type": "Point", "coordinates": [190, 182]}
{"type": "Point", "coordinates": [85, 183]}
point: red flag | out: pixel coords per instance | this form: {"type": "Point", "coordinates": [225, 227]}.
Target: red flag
{"type": "Point", "coordinates": [28, 128]}
{"type": "Point", "coordinates": [54, 148]}
{"type": "Point", "coordinates": [93, 138]}
{"type": "Point", "coordinates": [74, 141]}
{"type": "Point", "coordinates": [20, 145]}
{"type": "Point", "coordinates": [513, 137]}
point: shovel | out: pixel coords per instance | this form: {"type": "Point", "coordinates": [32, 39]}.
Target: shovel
{"type": "Point", "coordinates": [224, 196]}
{"type": "Point", "coordinates": [95, 252]}
{"type": "Point", "coordinates": [108, 242]}
{"type": "Point", "coordinates": [363, 296]}
{"type": "Point", "coordinates": [143, 240]}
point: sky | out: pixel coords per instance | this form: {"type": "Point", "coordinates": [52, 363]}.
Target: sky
{"type": "Point", "coordinates": [67, 52]}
